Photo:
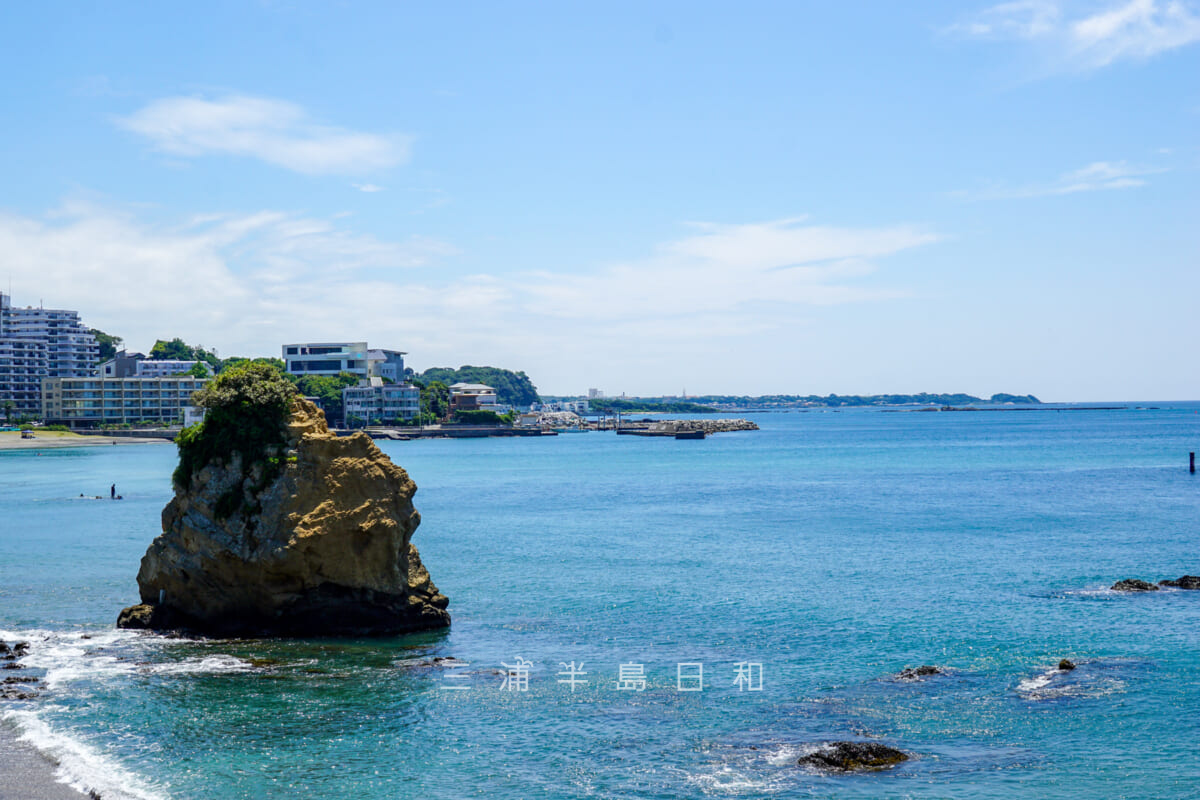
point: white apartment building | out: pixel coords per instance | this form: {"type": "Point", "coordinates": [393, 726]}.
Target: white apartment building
{"type": "Point", "coordinates": [38, 343]}
{"type": "Point", "coordinates": [372, 399]}
{"type": "Point", "coordinates": [327, 358]}
{"type": "Point", "coordinates": [97, 400]}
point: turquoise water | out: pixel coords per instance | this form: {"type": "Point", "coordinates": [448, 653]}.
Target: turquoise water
{"type": "Point", "coordinates": [834, 549]}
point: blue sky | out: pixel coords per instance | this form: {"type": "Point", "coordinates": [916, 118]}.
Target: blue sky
{"type": "Point", "coordinates": [645, 198]}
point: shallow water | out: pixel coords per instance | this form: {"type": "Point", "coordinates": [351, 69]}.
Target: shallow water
{"type": "Point", "coordinates": [832, 548]}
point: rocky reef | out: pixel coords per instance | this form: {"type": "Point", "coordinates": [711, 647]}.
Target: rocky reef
{"type": "Point", "coordinates": [917, 673]}
{"type": "Point", "coordinates": [310, 539]}
{"type": "Point", "coordinates": [853, 757]}
{"type": "Point", "coordinates": [1133, 585]}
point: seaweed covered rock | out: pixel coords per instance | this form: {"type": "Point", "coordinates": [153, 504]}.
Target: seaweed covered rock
{"type": "Point", "coordinates": [853, 757]}
{"type": "Point", "coordinates": [280, 527]}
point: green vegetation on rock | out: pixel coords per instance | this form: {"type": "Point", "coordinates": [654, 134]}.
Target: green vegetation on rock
{"type": "Point", "coordinates": [247, 408]}
{"type": "Point", "coordinates": [512, 388]}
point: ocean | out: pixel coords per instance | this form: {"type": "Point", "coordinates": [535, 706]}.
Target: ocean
{"type": "Point", "coordinates": [650, 618]}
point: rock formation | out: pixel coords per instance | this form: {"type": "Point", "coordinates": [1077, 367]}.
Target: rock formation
{"type": "Point", "coordinates": [1134, 585]}
{"type": "Point", "coordinates": [313, 540]}
{"type": "Point", "coordinates": [854, 756]}
{"type": "Point", "coordinates": [916, 673]}
{"type": "Point", "coordinates": [1183, 582]}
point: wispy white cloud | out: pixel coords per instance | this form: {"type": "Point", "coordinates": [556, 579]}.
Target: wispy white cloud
{"type": "Point", "coordinates": [274, 131]}
{"type": "Point", "coordinates": [237, 281]}
{"type": "Point", "coordinates": [730, 269]}
{"type": "Point", "coordinates": [1024, 19]}
{"type": "Point", "coordinates": [1098, 176]}
{"type": "Point", "coordinates": [245, 283]}
{"type": "Point", "coordinates": [1086, 40]}
{"type": "Point", "coordinates": [367, 187]}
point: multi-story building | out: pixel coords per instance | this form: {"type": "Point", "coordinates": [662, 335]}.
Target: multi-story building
{"type": "Point", "coordinates": [23, 364]}
{"type": "Point", "coordinates": [475, 397]}
{"type": "Point", "coordinates": [333, 358]}
{"type": "Point", "coordinates": [373, 399]}
{"type": "Point", "coordinates": [124, 365]}
{"type": "Point", "coordinates": [99, 400]}
{"type": "Point", "coordinates": [387, 364]}
{"type": "Point", "coordinates": [121, 365]}
{"type": "Point", "coordinates": [38, 343]}
{"type": "Point", "coordinates": [161, 368]}
{"type": "Point", "coordinates": [327, 358]}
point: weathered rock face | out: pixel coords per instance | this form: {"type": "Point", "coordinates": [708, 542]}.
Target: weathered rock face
{"type": "Point", "coordinates": [322, 549]}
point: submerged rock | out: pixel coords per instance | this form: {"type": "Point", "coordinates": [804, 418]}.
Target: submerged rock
{"type": "Point", "coordinates": [854, 756]}
{"type": "Point", "coordinates": [1183, 582]}
{"type": "Point", "coordinates": [316, 542]}
{"type": "Point", "coordinates": [1134, 585]}
{"type": "Point", "coordinates": [916, 673]}
{"type": "Point", "coordinates": [1066, 665]}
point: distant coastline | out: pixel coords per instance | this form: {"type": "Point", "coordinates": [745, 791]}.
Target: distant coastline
{"type": "Point", "coordinates": [710, 404]}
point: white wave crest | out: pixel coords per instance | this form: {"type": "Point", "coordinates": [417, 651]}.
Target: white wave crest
{"type": "Point", "coordinates": [80, 765]}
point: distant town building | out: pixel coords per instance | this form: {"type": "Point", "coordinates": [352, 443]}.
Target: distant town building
{"type": "Point", "coordinates": [161, 368]}
{"type": "Point", "coordinates": [473, 397]}
{"type": "Point", "coordinates": [125, 365]}
{"type": "Point", "coordinates": [98, 400]}
{"type": "Point", "coordinates": [334, 358]}
{"type": "Point", "coordinates": [387, 364]}
{"type": "Point", "coordinates": [122, 365]}
{"type": "Point", "coordinates": [373, 399]}
{"type": "Point", "coordinates": [580, 406]}
{"type": "Point", "coordinates": [327, 358]}
{"type": "Point", "coordinates": [39, 343]}
{"type": "Point", "coordinates": [595, 394]}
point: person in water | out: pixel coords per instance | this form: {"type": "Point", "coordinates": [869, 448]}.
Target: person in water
{"type": "Point", "coordinates": [112, 492]}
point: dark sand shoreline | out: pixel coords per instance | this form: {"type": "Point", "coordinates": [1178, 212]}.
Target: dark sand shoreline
{"type": "Point", "coordinates": [26, 774]}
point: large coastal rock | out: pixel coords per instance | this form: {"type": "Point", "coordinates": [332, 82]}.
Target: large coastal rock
{"type": "Point", "coordinates": [323, 548]}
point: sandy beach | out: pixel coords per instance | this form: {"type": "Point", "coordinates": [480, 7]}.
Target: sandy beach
{"type": "Point", "coordinates": [25, 774]}
{"type": "Point", "coordinates": [44, 440]}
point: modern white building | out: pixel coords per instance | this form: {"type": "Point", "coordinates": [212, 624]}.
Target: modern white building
{"type": "Point", "coordinates": [97, 400]}
{"type": "Point", "coordinates": [327, 358]}
{"type": "Point", "coordinates": [334, 358]}
{"type": "Point", "coordinates": [373, 399]}
{"type": "Point", "coordinates": [38, 343]}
